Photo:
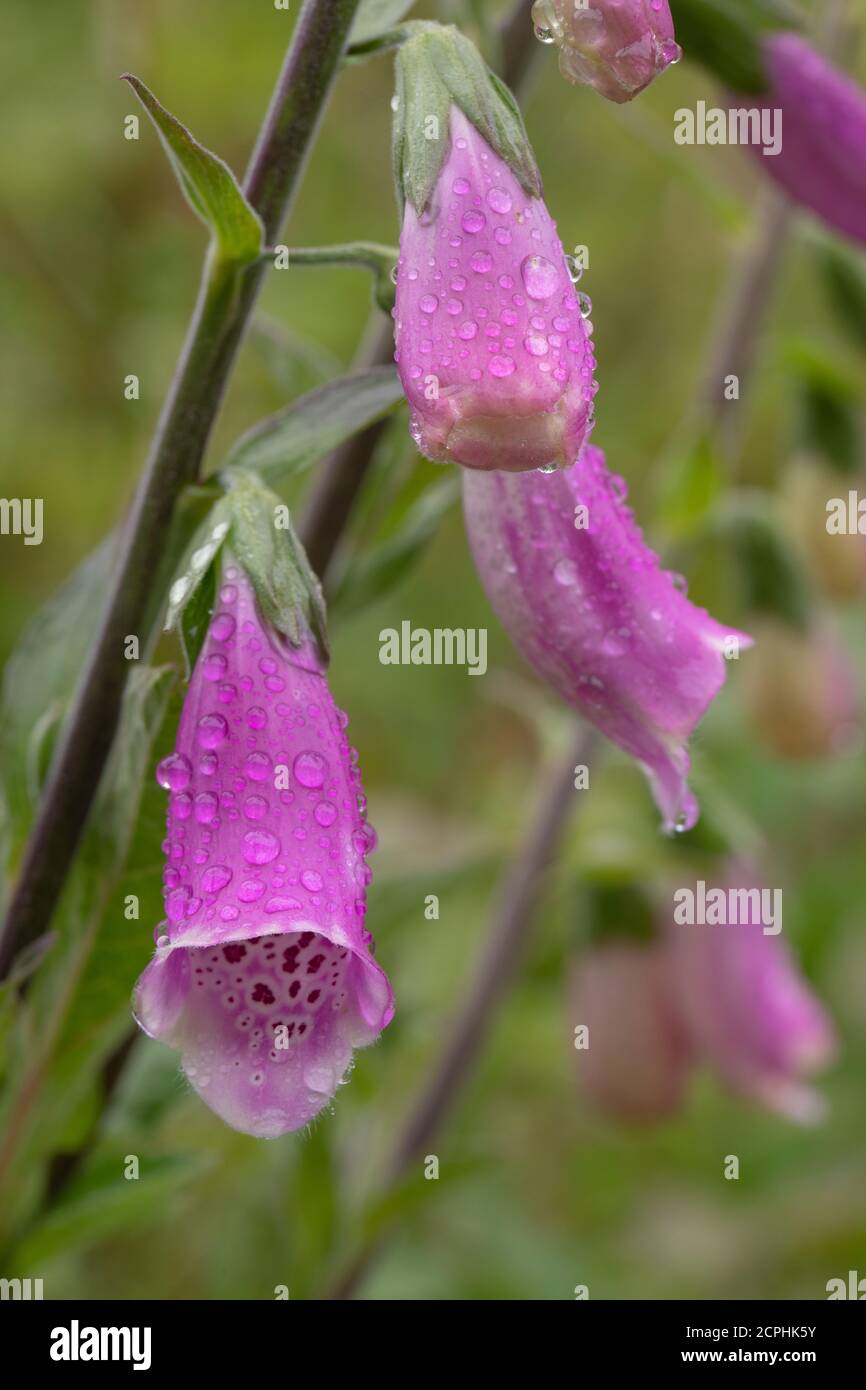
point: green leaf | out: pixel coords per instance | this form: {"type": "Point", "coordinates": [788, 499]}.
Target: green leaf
{"type": "Point", "coordinates": [376, 17]}
{"type": "Point", "coordinates": [208, 184]}
{"type": "Point", "coordinates": [382, 568]}
{"type": "Point", "coordinates": [844, 277]}
{"type": "Point", "coordinates": [311, 427]}
{"type": "Point", "coordinates": [77, 1007]}
{"type": "Point", "coordinates": [101, 1202]}
{"type": "Point", "coordinates": [725, 36]}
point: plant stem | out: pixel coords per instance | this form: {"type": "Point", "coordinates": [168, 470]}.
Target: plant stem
{"type": "Point", "coordinates": [518, 900]}
{"type": "Point", "coordinates": [194, 397]}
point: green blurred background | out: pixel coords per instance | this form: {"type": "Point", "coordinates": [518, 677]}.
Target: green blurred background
{"type": "Point", "coordinates": [536, 1195]}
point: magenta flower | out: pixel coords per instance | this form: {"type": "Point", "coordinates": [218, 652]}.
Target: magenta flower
{"type": "Point", "coordinates": [821, 163]}
{"type": "Point", "coordinates": [592, 611]}
{"type": "Point", "coordinates": [493, 352]}
{"type": "Point", "coordinates": [636, 1064]}
{"type": "Point", "coordinates": [263, 977]}
{"type": "Point", "coordinates": [616, 46]}
{"type": "Point", "coordinates": [747, 1010]}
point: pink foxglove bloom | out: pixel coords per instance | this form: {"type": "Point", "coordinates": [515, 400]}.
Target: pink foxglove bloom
{"type": "Point", "coordinates": [492, 349]}
{"type": "Point", "coordinates": [263, 977]}
{"type": "Point", "coordinates": [636, 1064]}
{"type": "Point", "coordinates": [616, 46]}
{"type": "Point", "coordinates": [587, 603]}
{"type": "Point", "coordinates": [800, 692]}
{"type": "Point", "coordinates": [747, 1009]}
{"type": "Point", "coordinates": [821, 163]}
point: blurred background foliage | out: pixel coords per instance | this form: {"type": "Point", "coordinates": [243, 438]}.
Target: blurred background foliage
{"type": "Point", "coordinates": [535, 1195]}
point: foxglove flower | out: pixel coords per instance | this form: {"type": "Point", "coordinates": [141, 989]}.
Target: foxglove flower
{"type": "Point", "coordinates": [636, 1064]}
{"type": "Point", "coordinates": [616, 46]}
{"type": "Point", "coordinates": [821, 163]}
{"type": "Point", "coordinates": [588, 605]}
{"type": "Point", "coordinates": [263, 977]}
{"type": "Point", "coordinates": [492, 347]}
{"type": "Point", "coordinates": [800, 691]}
{"type": "Point", "coordinates": [748, 1011]}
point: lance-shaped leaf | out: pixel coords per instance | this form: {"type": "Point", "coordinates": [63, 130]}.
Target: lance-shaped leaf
{"type": "Point", "coordinates": [307, 429]}
{"type": "Point", "coordinates": [208, 183]}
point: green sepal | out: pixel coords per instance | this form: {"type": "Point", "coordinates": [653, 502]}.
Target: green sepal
{"type": "Point", "coordinates": [263, 540]}
{"type": "Point", "coordinates": [191, 596]}
{"type": "Point", "coordinates": [437, 68]}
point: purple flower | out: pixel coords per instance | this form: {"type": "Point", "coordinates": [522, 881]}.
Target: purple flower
{"type": "Point", "coordinates": [636, 1064]}
{"type": "Point", "coordinates": [493, 352]}
{"type": "Point", "coordinates": [263, 977]}
{"type": "Point", "coordinates": [590, 608]}
{"type": "Point", "coordinates": [616, 46]}
{"type": "Point", "coordinates": [747, 1010]}
{"type": "Point", "coordinates": [821, 163]}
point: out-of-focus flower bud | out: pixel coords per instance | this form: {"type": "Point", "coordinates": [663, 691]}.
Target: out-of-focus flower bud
{"type": "Point", "coordinates": [800, 691]}
{"type": "Point", "coordinates": [616, 46]}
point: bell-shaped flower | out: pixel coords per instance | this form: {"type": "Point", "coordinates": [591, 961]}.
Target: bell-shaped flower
{"type": "Point", "coordinates": [589, 606]}
{"type": "Point", "coordinates": [635, 1064]}
{"type": "Point", "coordinates": [823, 133]}
{"type": "Point", "coordinates": [616, 46]}
{"type": "Point", "coordinates": [492, 346]}
{"type": "Point", "coordinates": [800, 692]}
{"type": "Point", "coordinates": [748, 1011]}
{"type": "Point", "coordinates": [263, 978]}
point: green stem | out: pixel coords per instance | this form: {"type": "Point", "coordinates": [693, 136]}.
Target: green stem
{"type": "Point", "coordinates": [194, 397]}
{"type": "Point", "coordinates": [369, 255]}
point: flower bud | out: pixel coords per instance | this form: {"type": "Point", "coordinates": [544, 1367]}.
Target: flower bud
{"type": "Point", "coordinates": [837, 560]}
{"type": "Point", "coordinates": [588, 605]}
{"type": "Point", "coordinates": [263, 977]}
{"type": "Point", "coordinates": [492, 348]}
{"type": "Point", "coordinates": [635, 1066]}
{"type": "Point", "coordinates": [747, 1010]}
{"type": "Point", "coordinates": [800, 691]}
{"type": "Point", "coordinates": [616, 46]}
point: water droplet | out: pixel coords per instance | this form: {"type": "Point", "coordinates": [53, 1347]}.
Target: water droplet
{"type": "Point", "coordinates": [467, 330]}
{"type": "Point", "coordinates": [499, 200]}
{"type": "Point", "coordinates": [206, 805]}
{"type": "Point", "coordinates": [251, 890]}
{"type": "Point", "coordinates": [212, 730]}
{"type": "Point", "coordinates": [544, 35]}
{"type": "Point", "coordinates": [312, 881]}
{"type": "Point", "coordinates": [539, 276]}
{"type": "Point", "coordinates": [481, 262]}
{"type": "Point", "coordinates": [473, 221]}
{"type": "Point", "coordinates": [222, 627]}
{"type": "Point", "coordinates": [461, 186]}
{"type": "Point", "coordinates": [575, 269]}
{"type": "Point", "coordinates": [257, 766]}
{"type": "Point", "coordinates": [536, 345]}
{"type": "Point", "coordinates": [584, 303]}
{"type": "Point", "coordinates": [260, 847]}
{"type": "Point", "coordinates": [428, 304]}
{"type": "Point", "coordinates": [215, 878]}
{"type": "Point", "coordinates": [214, 667]}
{"type": "Point", "coordinates": [255, 808]}
{"type": "Point", "coordinates": [310, 768]}
{"type": "Point", "coordinates": [565, 573]}
{"type": "Point", "coordinates": [501, 366]}
{"type": "Point", "coordinates": [325, 813]}
{"type": "Point", "coordinates": [174, 772]}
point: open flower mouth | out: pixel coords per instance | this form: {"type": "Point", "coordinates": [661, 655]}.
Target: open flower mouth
{"type": "Point", "coordinates": [265, 1026]}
